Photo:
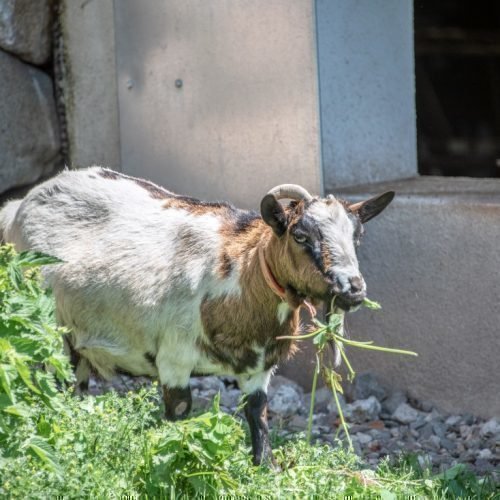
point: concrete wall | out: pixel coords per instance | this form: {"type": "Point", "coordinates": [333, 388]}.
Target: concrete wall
{"type": "Point", "coordinates": [90, 93]}
{"type": "Point", "coordinates": [366, 74]}
{"type": "Point", "coordinates": [243, 115]}
{"type": "Point", "coordinates": [432, 261]}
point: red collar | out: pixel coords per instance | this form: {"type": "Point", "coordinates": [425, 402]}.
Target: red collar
{"type": "Point", "coordinates": [271, 281]}
{"type": "Point", "coordinates": [273, 284]}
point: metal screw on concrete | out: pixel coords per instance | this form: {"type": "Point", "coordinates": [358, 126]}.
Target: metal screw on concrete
{"type": "Point", "coordinates": [178, 83]}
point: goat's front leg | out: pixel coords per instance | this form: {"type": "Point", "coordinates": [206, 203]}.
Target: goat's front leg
{"type": "Point", "coordinates": [174, 372]}
{"type": "Point", "coordinates": [255, 387]}
{"type": "Point", "coordinates": [177, 402]}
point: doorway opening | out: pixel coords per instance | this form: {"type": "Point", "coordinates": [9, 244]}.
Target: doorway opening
{"type": "Point", "coordinates": [457, 66]}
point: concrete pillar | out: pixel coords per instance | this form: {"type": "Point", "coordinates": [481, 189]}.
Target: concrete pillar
{"type": "Point", "coordinates": [367, 90]}
{"type": "Point", "coordinates": [90, 93]}
{"type": "Point", "coordinates": [219, 99]}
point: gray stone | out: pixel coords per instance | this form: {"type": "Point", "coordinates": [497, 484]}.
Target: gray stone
{"type": "Point", "coordinates": [426, 431]}
{"type": "Point", "coordinates": [453, 420]}
{"type": "Point", "coordinates": [485, 453]}
{"type": "Point", "coordinates": [405, 414]}
{"type": "Point", "coordinates": [285, 401]}
{"type": "Point", "coordinates": [393, 401]}
{"type": "Point", "coordinates": [208, 385]}
{"type": "Point", "coordinates": [298, 423]}
{"type": "Point", "coordinates": [435, 442]}
{"type": "Point", "coordinates": [383, 435]}
{"type": "Point", "coordinates": [472, 444]}
{"type": "Point", "coordinates": [332, 405]}
{"type": "Point", "coordinates": [483, 466]}
{"type": "Point", "coordinates": [426, 406]}
{"type": "Point", "coordinates": [363, 410]}
{"type": "Point", "coordinates": [278, 381]}
{"type": "Point", "coordinates": [433, 415]}
{"type": "Point", "coordinates": [29, 134]}
{"type": "Point", "coordinates": [25, 29]}
{"type": "Point", "coordinates": [322, 399]}
{"type": "Point", "coordinates": [465, 431]}
{"type": "Point", "coordinates": [366, 385]}
{"type": "Point", "coordinates": [419, 423]}
{"type": "Point", "coordinates": [230, 398]}
{"type": "Point", "coordinates": [326, 420]}
{"type": "Point", "coordinates": [439, 428]}
{"type": "Point", "coordinates": [468, 418]}
{"type": "Point", "coordinates": [201, 403]}
{"type": "Point", "coordinates": [363, 438]}
{"type": "Point", "coordinates": [448, 444]}
{"type": "Point", "coordinates": [490, 428]}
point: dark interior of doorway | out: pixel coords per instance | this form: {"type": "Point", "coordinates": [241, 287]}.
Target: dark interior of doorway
{"type": "Point", "coordinates": [457, 65]}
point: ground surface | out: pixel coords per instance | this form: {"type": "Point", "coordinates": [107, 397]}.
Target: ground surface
{"type": "Point", "coordinates": [382, 422]}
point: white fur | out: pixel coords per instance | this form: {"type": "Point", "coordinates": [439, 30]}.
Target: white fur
{"type": "Point", "coordinates": [129, 283]}
{"type": "Point", "coordinates": [283, 312]}
{"type": "Point", "coordinates": [338, 232]}
{"type": "Point", "coordinates": [256, 382]}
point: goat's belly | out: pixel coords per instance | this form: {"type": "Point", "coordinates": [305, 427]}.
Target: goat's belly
{"type": "Point", "coordinates": [207, 365]}
{"type": "Point", "coordinates": [132, 363]}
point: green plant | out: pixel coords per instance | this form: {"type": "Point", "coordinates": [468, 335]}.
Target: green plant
{"type": "Point", "coordinates": [31, 359]}
{"type": "Point", "coordinates": [332, 334]}
{"type": "Point", "coordinates": [194, 456]}
{"type": "Point", "coordinates": [114, 446]}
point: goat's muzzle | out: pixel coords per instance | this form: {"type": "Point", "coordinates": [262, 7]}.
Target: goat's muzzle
{"type": "Point", "coordinates": [349, 292]}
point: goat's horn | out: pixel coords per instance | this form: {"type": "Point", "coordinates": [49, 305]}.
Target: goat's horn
{"type": "Point", "coordinates": [292, 191]}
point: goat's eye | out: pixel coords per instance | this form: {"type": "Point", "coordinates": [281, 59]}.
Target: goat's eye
{"type": "Point", "coordinates": [300, 238]}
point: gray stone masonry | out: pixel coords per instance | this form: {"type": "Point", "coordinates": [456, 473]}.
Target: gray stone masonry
{"type": "Point", "coordinates": [25, 29]}
{"type": "Point", "coordinates": [29, 134]}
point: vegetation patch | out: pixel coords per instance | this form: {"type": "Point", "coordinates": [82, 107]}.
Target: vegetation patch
{"type": "Point", "coordinates": [53, 443]}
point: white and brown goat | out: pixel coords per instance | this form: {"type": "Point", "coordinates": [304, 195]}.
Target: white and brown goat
{"type": "Point", "coordinates": [157, 284]}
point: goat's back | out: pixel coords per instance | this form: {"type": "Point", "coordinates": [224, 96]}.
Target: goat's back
{"type": "Point", "coordinates": [127, 257]}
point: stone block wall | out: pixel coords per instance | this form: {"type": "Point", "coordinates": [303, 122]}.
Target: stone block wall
{"type": "Point", "coordinates": [29, 130]}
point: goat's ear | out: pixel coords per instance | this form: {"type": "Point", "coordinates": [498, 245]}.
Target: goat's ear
{"type": "Point", "coordinates": [368, 209]}
{"type": "Point", "coordinates": [273, 214]}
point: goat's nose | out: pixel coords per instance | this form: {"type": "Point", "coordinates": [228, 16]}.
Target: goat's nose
{"type": "Point", "coordinates": [356, 283]}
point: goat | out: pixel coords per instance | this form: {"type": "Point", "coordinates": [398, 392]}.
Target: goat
{"type": "Point", "coordinates": [163, 285]}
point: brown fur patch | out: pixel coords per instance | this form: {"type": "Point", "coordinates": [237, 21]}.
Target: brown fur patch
{"type": "Point", "coordinates": [237, 326]}
{"type": "Point", "coordinates": [226, 265]}
{"type": "Point", "coordinates": [241, 232]}
{"type": "Point", "coordinates": [326, 257]}
{"type": "Point", "coordinates": [108, 174]}
{"type": "Point", "coordinates": [155, 191]}
{"type": "Point", "coordinates": [196, 207]}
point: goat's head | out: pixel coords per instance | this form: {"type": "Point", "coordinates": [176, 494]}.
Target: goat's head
{"type": "Point", "coordinates": [316, 240]}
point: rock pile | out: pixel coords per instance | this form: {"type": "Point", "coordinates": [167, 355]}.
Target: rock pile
{"type": "Point", "coordinates": [382, 422]}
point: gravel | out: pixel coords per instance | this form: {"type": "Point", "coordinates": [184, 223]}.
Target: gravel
{"type": "Point", "coordinates": [439, 439]}
{"type": "Point", "coordinates": [405, 414]}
